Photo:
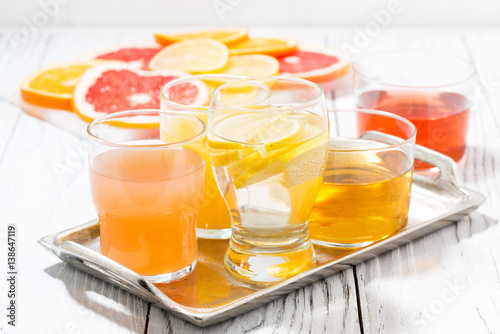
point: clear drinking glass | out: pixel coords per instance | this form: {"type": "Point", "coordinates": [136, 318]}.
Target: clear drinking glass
{"type": "Point", "coordinates": [432, 90]}
{"type": "Point", "coordinates": [365, 193]}
{"type": "Point", "coordinates": [191, 95]}
{"type": "Point", "coordinates": [147, 189]}
{"type": "Point", "coordinates": [268, 144]}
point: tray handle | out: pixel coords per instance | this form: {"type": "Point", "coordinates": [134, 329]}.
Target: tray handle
{"type": "Point", "coordinates": [448, 170]}
{"type": "Point", "coordinates": [107, 269]}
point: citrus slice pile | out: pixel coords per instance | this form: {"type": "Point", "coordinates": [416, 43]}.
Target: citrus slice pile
{"type": "Point", "coordinates": [135, 55]}
{"type": "Point", "coordinates": [226, 36]}
{"type": "Point", "coordinates": [257, 146]}
{"type": "Point", "coordinates": [52, 86]}
{"type": "Point", "coordinates": [195, 56]}
{"type": "Point", "coordinates": [144, 68]}
{"type": "Point", "coordinates": [113, 86]}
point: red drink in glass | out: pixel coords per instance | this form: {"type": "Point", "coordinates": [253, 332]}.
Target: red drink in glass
{"type": "Point", "coordinates": [440, 117]}
{"type": "Point", "coordinates": [432, 90]}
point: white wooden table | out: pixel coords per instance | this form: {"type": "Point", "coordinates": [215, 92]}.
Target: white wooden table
{"type": "Point", "coordinates": [445, 282]}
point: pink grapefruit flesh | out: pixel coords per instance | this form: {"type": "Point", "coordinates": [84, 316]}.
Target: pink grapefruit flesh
{"type": "Point", "coordinates": [112, 87]}
{"type": "Point", "coordinates": [315, 65]}
{"type": "Point", "coordinates": [138, 56]}
{"type": "Point", "coordinates": [193, 94]}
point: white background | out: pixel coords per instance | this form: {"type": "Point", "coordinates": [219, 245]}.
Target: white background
{"type": "Point", "coordinates": [245, 12]}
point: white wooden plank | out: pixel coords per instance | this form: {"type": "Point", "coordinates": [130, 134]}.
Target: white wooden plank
{"type": "Point", "coordinates": [483, 164]}
{"type": "Point", "coordinates": [336, 38]}
{"type": "Point", "coordinates": [446, 281]}
{"type": "Point", "coordinates": [16, 61]}
{"type": "Point", "coordinates": [327, 306]}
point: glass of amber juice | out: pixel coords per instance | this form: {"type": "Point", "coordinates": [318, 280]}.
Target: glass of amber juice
{"type": "Point", "coordinates": [432, 90]}
{"type": "Point", "coordinates": [191, 95]}
{"type": "Point", "coordinates": [147, 190]}
{"type": "Point", "coordinates": [365, 193]}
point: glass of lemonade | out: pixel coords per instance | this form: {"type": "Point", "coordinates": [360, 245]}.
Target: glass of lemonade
{"type": "Point", "coordinates": [365, 194]}
{"type": "Point", "coordinates": [430, 89]}
{"type": "Point", "coordinates": [268, 145]}
{"type": "Point", "coordinates": [147, 190]}
{"type": "Point", "coordinates": [191, 95]}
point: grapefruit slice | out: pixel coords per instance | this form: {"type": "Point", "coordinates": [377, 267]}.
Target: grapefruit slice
{"type": "Point", "coordinates": [137, 55]}
{"type": "Point", "coordinates": [192, 93]}
{"type": "Point", "coordinates": [226, 36]}
{"type": "Point", "coordinates": [260, 45]}
{"type": "Point", "coordinates": [200, 55]}
{"type": "Point", "coordinates": [114, 86]}
{"type": "Point", "coordinates": [317, 65]}
{"type": "Point", "coordinates": [52, 86]}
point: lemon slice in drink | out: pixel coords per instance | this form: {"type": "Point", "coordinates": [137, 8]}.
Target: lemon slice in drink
{"type": "Point", "coordinates": [241, 149]}
{"type": "Point", "coordinates": [278, 161]}
{"type": "Point", "coordinates": [270, 141]}
{"type": "Point", "coordinates": [258, 128]}
{"type": "Point", "coordinates": [229, 157]}
{"type": "Point", "coordinates": [258, 169]}
{"type": "Point", "coordinates": [290, 158]}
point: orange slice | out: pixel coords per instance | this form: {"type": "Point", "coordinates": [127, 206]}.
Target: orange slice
{"type": "Point", "coordinates": [52, 86]}
{"type": "Point", "coordinates": [269, 46]}
{"type": "Point", "coordinates": [226, 36]}
{"type": "Point", "coordinates": [195, 56]}
{"type": "Point", "coordinates": [251, 66]}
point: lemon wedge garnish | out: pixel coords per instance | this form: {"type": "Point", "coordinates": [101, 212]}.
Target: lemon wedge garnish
{"type": "Point", "coordinates": [258, 128]}
{"type": "Point", "coordinates": [269, 142]}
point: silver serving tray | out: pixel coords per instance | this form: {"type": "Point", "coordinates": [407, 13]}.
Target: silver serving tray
{"type": "Point", "coordinates": [208, 295]}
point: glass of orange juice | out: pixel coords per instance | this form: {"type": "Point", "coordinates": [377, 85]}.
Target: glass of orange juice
{"type": "Point", "coordinates": [147, 190]}
{"type": "Point", "coordinates": [191, 95]}
{"type": "Point", "coordinates": [365, 193]}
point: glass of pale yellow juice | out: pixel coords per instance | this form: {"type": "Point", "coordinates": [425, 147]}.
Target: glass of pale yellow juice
{"type": "Point", "coordinates": [191, 95]}
{"type": "Point", "coordinates": [365, 193]}
{"type": "Point", "coordinates": [268, 140]}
